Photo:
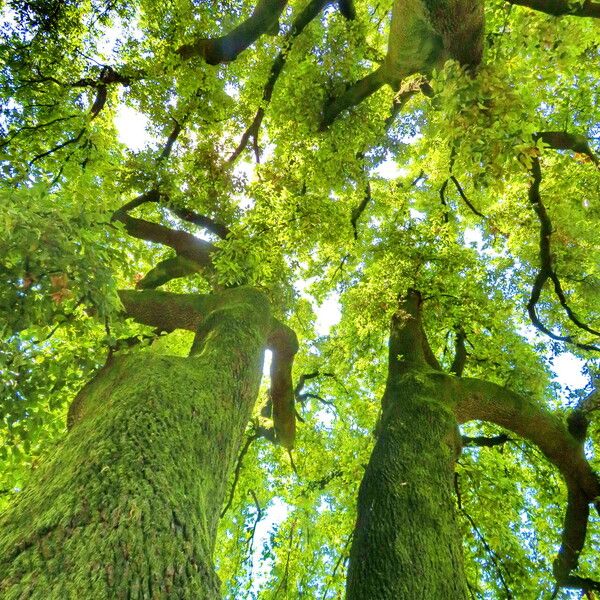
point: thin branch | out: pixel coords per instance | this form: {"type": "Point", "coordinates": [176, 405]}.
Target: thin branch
{"type": "Point", "coordinates": [237, 471]}
{"type": "Point", "coordinates": [304, 18]}
{"type": "Point", "coordinates": [58, 147]}
{"type": "Point", "coordinates": [547, 270]}
{"type": "Point", "coordinates": [464, 197]}
{"type": "Point", "coordinates": [492, 554]}
{"type": "Point", "coordinates": [343, 556]}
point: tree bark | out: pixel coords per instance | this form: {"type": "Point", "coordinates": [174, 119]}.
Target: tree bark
{"type": "Point", "coordinates": [128, 505]}
{"type": "Point", "coordinates": [406, 544]}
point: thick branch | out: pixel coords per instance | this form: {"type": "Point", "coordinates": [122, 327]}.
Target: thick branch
{"type": "Point", "coordinates": [184, 243]}
{"type": "Point", "coordinates": [358, 211]}
{"type": "Point", "coordinates": [183, 213]}
{"type": "Point", "coordinates": [558, 8]}
{"type": "Point", "coordinates": [408, 344]}
{"type": "Point", "coordinates": [547, 270]}
{"type": "Point", "coordinates": [354, 95]}
{"type": "Point", "coordinates": [283, 343]}
{"type": "Point", "coordinates": [460, 353]}
{"type": "Point", "coordinates": [227, 48]}
{"type": "Point", "coordinates": [563, 140]}
{"type": "Point", "coordinates": [486, 401]}
{"type": "Point", "coordinates": [166, 270]}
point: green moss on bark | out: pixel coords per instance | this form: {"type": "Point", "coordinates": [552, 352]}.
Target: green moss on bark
{"type": "Point", "coordinates": [405, 544]}
{"type": "Point", "coordinates": [128, 505]}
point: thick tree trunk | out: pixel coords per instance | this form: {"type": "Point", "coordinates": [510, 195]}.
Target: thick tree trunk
{"type": "Point", "coordinates": [128, 505]}
{"type": "Point", "coordinates": [406, 545]}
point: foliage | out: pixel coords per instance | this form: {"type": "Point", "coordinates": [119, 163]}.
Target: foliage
{"type": "Point", "coordinates": [434, 196]}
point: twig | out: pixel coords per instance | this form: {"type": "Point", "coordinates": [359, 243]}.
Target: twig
{"type": "Point", "coordinates": [236, 473]}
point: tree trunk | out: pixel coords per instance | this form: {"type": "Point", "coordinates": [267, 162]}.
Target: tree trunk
{"type": "Point", "coordinates": [128, 505]}
{"type": "Point", "coordinates": [406, 545]}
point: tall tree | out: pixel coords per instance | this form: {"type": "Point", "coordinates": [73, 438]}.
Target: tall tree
{"type": "Point", "coordinates": [428, 163]}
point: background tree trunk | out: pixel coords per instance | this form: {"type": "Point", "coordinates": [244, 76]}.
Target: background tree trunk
{"type": "Point", "coordinates": [128, 505]}
{"type": "Point", "coordinates": [406, 544]}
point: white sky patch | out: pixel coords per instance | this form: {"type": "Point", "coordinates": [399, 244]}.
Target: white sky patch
{"type": "Point", "coordinates": [328, 314]}
{"type": "Point", "coordinates": [473, 238]}
{"type": "Point", "coordinates": [276, 513]}
{"type": "Point", "coordinates": [132, 127]}
{"type": "Point", "coordinates": [389, 169]}
{"type": "Point", "coordinates": [267, 363]}
{"type": "Point", "coordinates": [569, 371]}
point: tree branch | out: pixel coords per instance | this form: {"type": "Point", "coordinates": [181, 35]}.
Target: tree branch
{"type": "Point", "coordinates": [563, 140]}
{"type": "Point", "coordinates": [304, 18]}
{"type": "Point", "coordinates": [353, 95]}
{"type": "Point", "coordinates": [185, 244]}
{"type": "Point", "coordinates": [460, 353]}
{"type": "Point", "coordinates": [487, 401]}
{"type": "Point", "coordinates": [227, 48]}
{"type": "Point", "coordinates": [358, 211]}
{"type": "Point", "coordinates": [283, 343]}
{"type": "Point", "coordinates": [558, 8]}
{"type": "Point", "coordinates": [481, 441]}
{"type": "Point", "coordinates": [547, 270]}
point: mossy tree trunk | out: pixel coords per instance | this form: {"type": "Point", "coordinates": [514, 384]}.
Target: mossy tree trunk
{"type": "Point", "coordinates": [128, 505]}
{"type": "Point", "coordinates": [406, 545]}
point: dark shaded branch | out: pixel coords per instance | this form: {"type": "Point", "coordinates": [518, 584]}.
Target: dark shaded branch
{"type": "Point", "coordinates": [358, 211]}
{"type": "Point", "coordinates": [558, 8]}
{"type": "Point", "coordinates": [460, 352]}
{"type": "Point", "coordinates": [166, 152]}
{"type": "Point", "coordinates": [227, 48]}
{"type": "Point", "coordinates": [492, 554]}
{"type": "Point", "coordinates": [347, 9]}
{"type": "Point", "coordinates": [547, 270]}
{"type": "Point", "coordinates": [563, 140]}
{"type": "Point", "coordinates": [464, 196]}
{"type": "Point", "coordinates": [481, 441]}
{"type": "Point", "coordinates": [183, 213]}
{"type": "Point", "coordinates": [207, 223]}
{"type": "Point", "coordinates": [353, 95]}
{"type": "Point", "coordinates": [304, 18]}
{"type": "Point", "coordinates": [58, 147]}
{"type": "Point", "coordinates": [11, 136]}
{"type": "Point", "coordinates": [184, 243]}
{"type": "Point", "coordinates": [237, 471]}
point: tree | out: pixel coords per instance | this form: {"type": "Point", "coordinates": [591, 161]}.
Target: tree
{"type": "Point", "coordinates": [483, 240]}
